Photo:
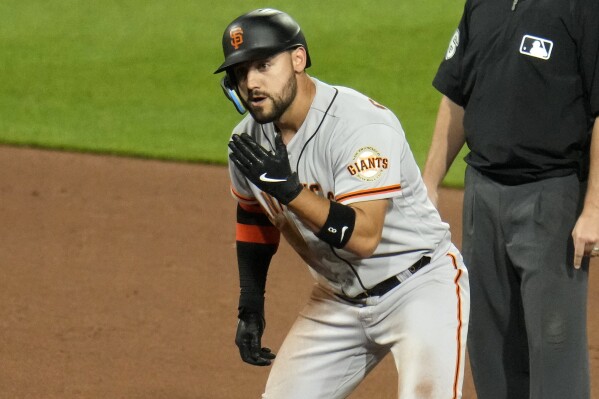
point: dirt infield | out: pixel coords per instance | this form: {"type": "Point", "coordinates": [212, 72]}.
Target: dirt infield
{"type": "Point", "coordinates": [118, 280]}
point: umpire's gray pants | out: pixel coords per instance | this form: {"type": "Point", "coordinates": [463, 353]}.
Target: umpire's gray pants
{"type": "Point", "coordinates": [527, 336]}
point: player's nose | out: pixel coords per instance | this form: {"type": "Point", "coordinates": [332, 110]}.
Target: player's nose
{"type": "Point", "coordinates": [252, 79]}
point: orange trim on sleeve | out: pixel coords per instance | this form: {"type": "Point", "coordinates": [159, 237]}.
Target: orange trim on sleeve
{"type": "Point", "coordinates": [257, 234]}
{"type": "Point", "coordinates": [241, 197]}
{"type": "Point", "coordinates": [364, 193]}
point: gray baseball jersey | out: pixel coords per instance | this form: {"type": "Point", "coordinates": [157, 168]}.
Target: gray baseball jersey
{"type": "Point", "coordinates": [352, 149]}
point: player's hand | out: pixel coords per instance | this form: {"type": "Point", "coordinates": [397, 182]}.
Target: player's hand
{"type": "Point", "coordinates": [275, 212]}
{"type": "Point", "coordinates": [249, 340]}
{"type": "Point", "coordinates": [270, 172]}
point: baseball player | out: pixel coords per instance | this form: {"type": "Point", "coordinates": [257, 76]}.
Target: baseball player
{"type": "Point", "coordinates": [331, 170]}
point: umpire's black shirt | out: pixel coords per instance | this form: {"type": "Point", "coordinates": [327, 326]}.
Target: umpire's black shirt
{"type": "Point", "coordinates": [527, 74]}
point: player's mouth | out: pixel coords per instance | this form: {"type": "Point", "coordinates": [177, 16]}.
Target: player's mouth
{"type": "Point", "coordinates": [256, 98]}
{"type": "Point", "coordinates": [257, 101]}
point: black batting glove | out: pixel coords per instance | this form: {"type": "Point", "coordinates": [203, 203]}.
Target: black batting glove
{"type": "Point", "coordinates": [249, 340]}
{"type": "Point", "coordinates": [270, 172]}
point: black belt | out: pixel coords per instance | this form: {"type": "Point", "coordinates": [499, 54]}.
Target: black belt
{"type": "Point", "coordinates": [387, 285]}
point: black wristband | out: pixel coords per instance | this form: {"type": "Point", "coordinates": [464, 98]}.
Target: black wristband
{"type": "Point", "coordinates": [339, 225]}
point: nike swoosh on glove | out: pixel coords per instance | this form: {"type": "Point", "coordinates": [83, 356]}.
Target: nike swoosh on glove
{"type": "Point", "coordinates": [270, 172]}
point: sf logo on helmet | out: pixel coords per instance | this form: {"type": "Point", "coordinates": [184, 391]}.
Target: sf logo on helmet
{"type": "Point", "coordinates": [236, 37]}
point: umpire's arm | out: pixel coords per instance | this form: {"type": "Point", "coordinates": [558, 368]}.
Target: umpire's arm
{"type": "Point", "coordinates": [586, 230]}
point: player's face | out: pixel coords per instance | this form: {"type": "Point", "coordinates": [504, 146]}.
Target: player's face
{"type": "Point", "coordinates": [267, 87]}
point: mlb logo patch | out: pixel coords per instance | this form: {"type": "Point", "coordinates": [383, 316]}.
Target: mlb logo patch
{"type": "Point", "coordinates": [536, 47]}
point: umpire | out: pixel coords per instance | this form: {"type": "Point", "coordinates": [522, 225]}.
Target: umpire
{"type": "Point", "coordinates": [520, 85]}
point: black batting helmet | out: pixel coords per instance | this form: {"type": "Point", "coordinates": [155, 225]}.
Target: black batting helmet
{"type": "Point", "coordinates": [260, 34]}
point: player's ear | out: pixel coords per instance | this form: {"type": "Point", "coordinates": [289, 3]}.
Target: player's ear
{"type": "Point", "coordinates": [299, 58]}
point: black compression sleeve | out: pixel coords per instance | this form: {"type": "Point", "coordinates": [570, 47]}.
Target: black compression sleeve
{"type": "Point", "coordinates": [253, 261]}
{"type": "Point", "coordinates": [257, 242]}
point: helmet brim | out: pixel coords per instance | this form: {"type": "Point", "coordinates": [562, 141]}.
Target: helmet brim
{"type": "Point", "coordinates": [256, 54]}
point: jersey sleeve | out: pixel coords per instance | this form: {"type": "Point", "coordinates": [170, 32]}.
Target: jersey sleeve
{"type": "Point", "coordinates": [240, 188]}
{"type": "Point", "coordinates": [448, 79]}
{"type": "Point", "coordinates": [368, 164]}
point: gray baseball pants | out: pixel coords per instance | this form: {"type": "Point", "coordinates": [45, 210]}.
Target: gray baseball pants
{"type": "Point", "coordinates": [528, 332]}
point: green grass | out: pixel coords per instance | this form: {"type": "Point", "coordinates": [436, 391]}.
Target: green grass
{"type": "Point", "coordinates": [135, 78]}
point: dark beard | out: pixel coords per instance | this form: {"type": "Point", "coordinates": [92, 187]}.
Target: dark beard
{"type": "Point", "coordinates": [280, 104]}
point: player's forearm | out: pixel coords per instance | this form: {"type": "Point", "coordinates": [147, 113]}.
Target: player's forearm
{"type": "Point", "coordinates": [253, 261]}
{"type": "Point", "coordinates": [370, 217]}
{"type": "Point", "coordinates": [366, 231]}
{"type": "Point", "coordinates": [257, 241]}
{"type": "Point", "coordinates": [448, 139]}
{"type": "Point", "coordinates": [310, 208]}
{"type": "Point", "coordinates": [295, 239]}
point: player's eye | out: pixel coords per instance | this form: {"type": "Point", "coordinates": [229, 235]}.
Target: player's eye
{"type": "Point", "coordinates": [240, 73]}
{"type": "Point", "coordinates": [262, 66]}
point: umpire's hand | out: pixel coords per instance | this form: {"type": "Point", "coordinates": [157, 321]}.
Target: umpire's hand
{"type": "Point", "coordinates": [248, 339]}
